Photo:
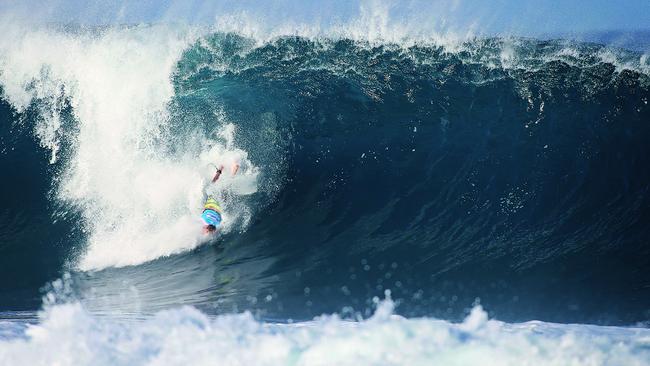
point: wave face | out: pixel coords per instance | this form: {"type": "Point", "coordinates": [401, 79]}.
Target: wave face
{"type": "Point", "coordinates": [509, 170]}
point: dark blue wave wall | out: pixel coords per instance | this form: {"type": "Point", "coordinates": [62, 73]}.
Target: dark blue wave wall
{"type": "Point", "coordinates": [443, 178]}
{"type": "Point", "coordinates": [33, 248]}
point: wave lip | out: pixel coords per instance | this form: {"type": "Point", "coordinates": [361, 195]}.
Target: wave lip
{"type": "Point", "coordinates": [68, 335]}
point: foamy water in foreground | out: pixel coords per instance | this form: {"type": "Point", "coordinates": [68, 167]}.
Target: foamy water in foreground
{"type": "Point", "coordinates": [68, 335]}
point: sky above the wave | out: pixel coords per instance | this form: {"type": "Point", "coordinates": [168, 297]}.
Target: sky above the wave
{"type": "Point", "coordinates": [520, 17]}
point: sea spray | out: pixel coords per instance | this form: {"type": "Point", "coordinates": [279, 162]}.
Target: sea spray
{"type": "Point", "coordinates": [138, 202]}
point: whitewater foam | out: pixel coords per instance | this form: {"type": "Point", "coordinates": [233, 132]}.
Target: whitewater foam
{"type": "Point", "coordinates": [138, 199]}
{"type": "Point", "coordinates": [69, 335]}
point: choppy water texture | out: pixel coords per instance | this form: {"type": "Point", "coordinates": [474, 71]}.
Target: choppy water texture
{"type": "Point", "coordinates": [176, 337]}
{"type": "Point", "coordinates": [508, 172]}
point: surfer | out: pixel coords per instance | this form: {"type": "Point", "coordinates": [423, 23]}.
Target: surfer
{"type": "Point", "coordinates": [211, 214]}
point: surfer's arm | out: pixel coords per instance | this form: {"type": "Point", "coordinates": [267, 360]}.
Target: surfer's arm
{"type": "Point", "coordinates": [217, 174]}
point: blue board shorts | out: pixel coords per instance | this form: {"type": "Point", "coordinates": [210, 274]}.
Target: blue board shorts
{"type": "Point", "coordinates": [211, 217]}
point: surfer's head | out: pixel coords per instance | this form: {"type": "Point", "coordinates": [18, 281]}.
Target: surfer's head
{"type": "Point", "coordinates": [209, 229]}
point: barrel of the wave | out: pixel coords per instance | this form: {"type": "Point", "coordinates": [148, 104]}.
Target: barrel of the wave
{"type": "Point", "coordinates": [211, 216]}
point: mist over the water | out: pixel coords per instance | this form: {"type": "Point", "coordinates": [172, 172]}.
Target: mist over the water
{"type": "Point", "coordinates": [441, 156]}
{"type": "Point", "coordinates": [572, 18]}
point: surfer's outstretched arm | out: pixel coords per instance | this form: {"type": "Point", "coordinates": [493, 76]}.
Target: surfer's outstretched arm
{"type": "Point", "coordinates": [217, 174]}
{"type": "Point", "coordinates": [234, 168]}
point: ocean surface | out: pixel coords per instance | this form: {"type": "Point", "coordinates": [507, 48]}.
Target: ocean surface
{"type": "Point", "coordinates": [402, 199]}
